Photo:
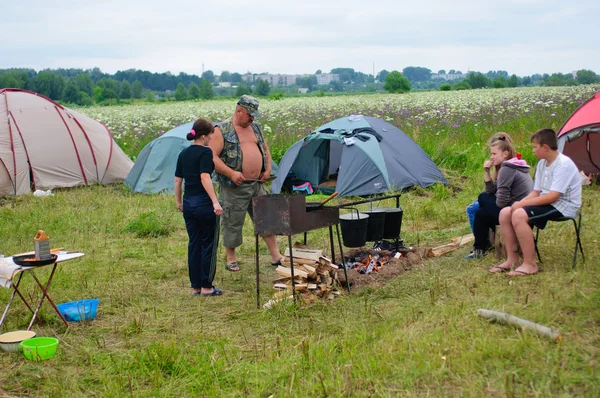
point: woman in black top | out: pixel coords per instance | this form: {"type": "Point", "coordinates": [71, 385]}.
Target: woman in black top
{"type": "Point", "coordinates": [200, 207]}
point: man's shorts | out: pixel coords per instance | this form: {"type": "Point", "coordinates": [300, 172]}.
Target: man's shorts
{"type": "Point", "coordinates": [236, 202]}
{"type": "Point", "coordinates": [540, 215]}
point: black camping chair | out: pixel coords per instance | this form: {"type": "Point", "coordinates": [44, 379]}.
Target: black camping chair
{"type": "Point", "coordinates": [577, 225]}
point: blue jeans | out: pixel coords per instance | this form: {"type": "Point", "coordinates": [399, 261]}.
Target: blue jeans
{"type": "Point", "coordinates": [486, 219]}
{"type": "Point", "coordinates": [471, 210]}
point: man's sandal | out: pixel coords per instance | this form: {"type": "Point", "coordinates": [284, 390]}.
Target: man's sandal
{"type": "Point", "coordinates": [233, 267]}
{"type": "Point", "coordinates": [277, 263]}
{"type": "Point", "coordinates": [500, 270]}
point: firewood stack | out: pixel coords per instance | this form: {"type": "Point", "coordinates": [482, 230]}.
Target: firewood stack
{"type": "Point", "coordinates": [313, 273]}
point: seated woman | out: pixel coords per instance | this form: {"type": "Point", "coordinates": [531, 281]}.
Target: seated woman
{"type": "Point", "coordinates": [473, 207]}
{"type": "Point", "coordinates": [513, 183]}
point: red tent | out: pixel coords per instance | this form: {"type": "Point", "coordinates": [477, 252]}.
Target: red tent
{"type": "Point", "coordinates": [579, 137]}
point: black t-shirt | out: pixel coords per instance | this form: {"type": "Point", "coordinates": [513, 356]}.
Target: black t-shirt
{"type": "Point", "coordinates": [193, 161]}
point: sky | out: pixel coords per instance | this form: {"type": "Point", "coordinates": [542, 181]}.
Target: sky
{"type": "Point", "coordinates": [279, 36]}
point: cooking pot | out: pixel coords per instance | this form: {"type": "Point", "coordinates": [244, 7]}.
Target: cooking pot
{"type": "Point", "coordinates": [375, 224]}
{"type": "Point", "coordinates": [354, 228]}
{"type": "Point", "coordinates": [393, 222]}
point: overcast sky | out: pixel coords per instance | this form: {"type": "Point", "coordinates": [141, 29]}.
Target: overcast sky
{"type": "Point", "coordinates": [278, 36]}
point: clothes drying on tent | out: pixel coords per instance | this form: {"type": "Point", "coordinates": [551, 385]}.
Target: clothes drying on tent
{"type": "Point", "coordinates": [579, 137]}
{"type": "Point", "coordinates": [369, 156]}
{"type": "Point", "coordinates": [44, 145]}
{"type": "Point", "coordinates": [154, 169]}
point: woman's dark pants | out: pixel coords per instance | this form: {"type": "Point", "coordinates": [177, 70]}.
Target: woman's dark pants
{"type": "Point", "coordinates": [201, 225]}
{"type": "Point", "coordinates": [486, 219]}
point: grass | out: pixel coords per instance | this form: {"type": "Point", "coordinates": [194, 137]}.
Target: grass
{"type": "Point", "coordinates": [418, 335]}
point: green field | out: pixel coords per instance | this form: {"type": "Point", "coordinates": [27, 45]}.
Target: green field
{"type": "Point", "coordinates": [418, 335]}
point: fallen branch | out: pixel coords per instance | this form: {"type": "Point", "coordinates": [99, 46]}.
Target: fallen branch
{"type": "Point", "coordinates": [454, 245]}
{"type": "Point", "coordinates": [508, 319]}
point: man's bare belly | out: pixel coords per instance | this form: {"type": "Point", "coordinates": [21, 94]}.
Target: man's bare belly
{"type": "Point", "coordinates": [251, 160]}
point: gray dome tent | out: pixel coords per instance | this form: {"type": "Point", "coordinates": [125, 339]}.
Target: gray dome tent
{"type": "Point", "coordinates": [369, 155]}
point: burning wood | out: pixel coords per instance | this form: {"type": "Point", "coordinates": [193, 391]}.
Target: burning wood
{"type": "Point", "coordinates": [367, 263]}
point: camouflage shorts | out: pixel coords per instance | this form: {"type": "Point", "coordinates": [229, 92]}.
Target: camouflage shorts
{"type": "Point", "coordinates": [236, 202]}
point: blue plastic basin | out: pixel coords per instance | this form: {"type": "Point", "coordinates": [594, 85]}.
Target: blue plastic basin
{"type": "Point", "coordinates": [75, 311]}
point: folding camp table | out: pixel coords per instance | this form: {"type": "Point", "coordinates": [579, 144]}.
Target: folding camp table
{"type": "Point", "coordinates": [15, 281]}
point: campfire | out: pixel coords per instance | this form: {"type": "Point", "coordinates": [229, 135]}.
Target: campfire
{"type": "Point", "coordinates": [369, 263]}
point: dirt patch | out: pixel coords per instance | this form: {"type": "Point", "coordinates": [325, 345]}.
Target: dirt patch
{"type": "Point", "coordinates": [394, 267]}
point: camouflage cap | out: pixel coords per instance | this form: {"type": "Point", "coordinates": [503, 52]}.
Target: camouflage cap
{"type": "Point", "coordinates": [250, 104]}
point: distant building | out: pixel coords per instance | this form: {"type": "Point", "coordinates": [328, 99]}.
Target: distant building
{"type": "Point", "coordinates": [326, 78]}
{"type": "Point", "coordinates": [287, 80]}
{"type": "Point", "coordinates": [225, 84]}
{"type": "Point", "coordinates": [448, 76]}
{"type": "Point", "coordinates": [302, 90]}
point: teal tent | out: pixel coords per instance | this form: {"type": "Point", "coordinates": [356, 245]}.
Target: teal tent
{"type": "Point", "coordinates": [154, 169]}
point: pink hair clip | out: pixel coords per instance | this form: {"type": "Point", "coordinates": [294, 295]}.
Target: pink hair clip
{"type": "Point", "coordinates": [192, 133]}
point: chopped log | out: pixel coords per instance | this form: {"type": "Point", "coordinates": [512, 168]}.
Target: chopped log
{"type": "Point", "coordinates": [325, 261]}
{"type": "Point", "coordinates": [301, 287]}
{"type": "Point", "coordinates": [312, 286]}
{"type": "Point", "coordinates": [311, 271]}
{"type": "Point", "coordinates": [298, 260]}
{"type": "Point", "coordinates": [284, 271]}
{"type": "Point", "coordinates": [306, 254]}
{"type": "Point", "coordinates": [508, 319]}
{"type": "Point", "coordinates": [280, 286]}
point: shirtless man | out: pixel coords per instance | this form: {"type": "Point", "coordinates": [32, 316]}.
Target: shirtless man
{"type": "Point", "coordinates": [243, 163]}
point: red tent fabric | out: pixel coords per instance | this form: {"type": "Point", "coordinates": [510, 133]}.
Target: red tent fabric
{"type": "Point", "coordinates": [579, 137]}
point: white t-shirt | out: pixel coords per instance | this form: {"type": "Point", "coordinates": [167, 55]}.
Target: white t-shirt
{"type": "Point", "coordinates": [561, 176]}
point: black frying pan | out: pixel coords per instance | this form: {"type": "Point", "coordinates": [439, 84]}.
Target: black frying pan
{"type": "Point", "coordinates": [317, 205]}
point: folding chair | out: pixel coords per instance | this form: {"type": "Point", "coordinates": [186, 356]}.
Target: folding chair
{"type": "Point", "coordinates": [577, 225]}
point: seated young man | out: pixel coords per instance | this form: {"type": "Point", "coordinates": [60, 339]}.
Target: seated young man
{"type": "Point", "coordinates": [556, 193]}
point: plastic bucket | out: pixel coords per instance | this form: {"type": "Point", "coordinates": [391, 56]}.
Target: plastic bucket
{"type": "Point", "coordinates": [76, 311]}
{"type": "Point", "coordinates": [39, 348]}
{"type": "Point", "coordinates": [375, 224]}
{"type": "Point", "coordinates": [393, 222]}
{"type": "Point", "coordinates": [354, 228]}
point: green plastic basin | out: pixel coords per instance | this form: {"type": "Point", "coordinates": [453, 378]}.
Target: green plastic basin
{"type": "Point", "coordinates": [39, 348]}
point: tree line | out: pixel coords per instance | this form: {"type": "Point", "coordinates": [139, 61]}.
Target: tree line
{"type": "Point", "coordinates": [92, 86]}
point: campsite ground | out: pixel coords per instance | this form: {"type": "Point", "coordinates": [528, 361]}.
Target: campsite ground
{"type": "Point", "coordinates": [416, 335]}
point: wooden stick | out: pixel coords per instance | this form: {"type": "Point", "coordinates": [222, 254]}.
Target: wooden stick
{"type": "Point", "coordinates": [508, 319]}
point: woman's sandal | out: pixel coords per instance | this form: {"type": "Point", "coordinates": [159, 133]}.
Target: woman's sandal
{"type": "Point", "coordinates": [233, 267]}
{"type": "Point", "coordinates": [501, 270]}
{"type": "Point", "coordinates": [216, 292]}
